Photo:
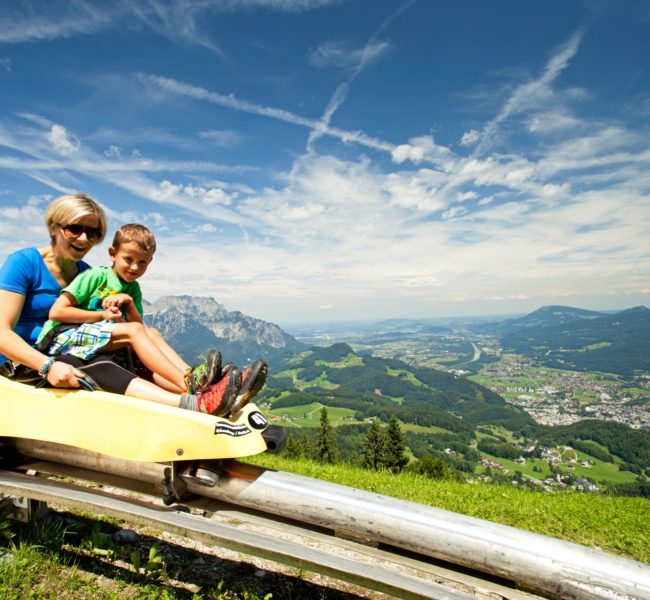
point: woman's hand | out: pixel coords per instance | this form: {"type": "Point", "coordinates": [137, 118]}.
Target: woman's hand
{"type": "Point", "coordinates": [63, 375]}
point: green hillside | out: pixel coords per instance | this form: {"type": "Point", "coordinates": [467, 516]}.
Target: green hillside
{"type": "Point", "coordinates": [448, 418]}
{"type": "Point", "coordinates": [374, 387]}
{"type": "Point", "coordinates": [618, 343]}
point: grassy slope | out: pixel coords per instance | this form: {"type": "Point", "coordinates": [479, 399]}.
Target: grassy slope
{"type": "Point", "coordinates": [616, 525]}
{"type": "Point", "coordinates": [309, 416]}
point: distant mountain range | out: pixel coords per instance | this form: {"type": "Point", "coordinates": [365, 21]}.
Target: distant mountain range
{"type": "Point", "coordinates": [193, 325]}
{"type": "Point", "coordinates": [572, 338]}
{"type": "Point", "coordinates": [547, 316]}
{"type": "Point", "coordinates": [557, 336]}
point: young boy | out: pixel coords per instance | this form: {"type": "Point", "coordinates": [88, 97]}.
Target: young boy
{"type": "Point", "coordinates": [105, 306]}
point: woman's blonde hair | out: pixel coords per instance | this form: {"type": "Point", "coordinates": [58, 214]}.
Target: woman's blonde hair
{"type": "Point", "coordinates": [67, 209]}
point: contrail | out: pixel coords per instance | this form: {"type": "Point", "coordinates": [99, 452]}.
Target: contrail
{"type": "Point", "coordinates": [230, 101]}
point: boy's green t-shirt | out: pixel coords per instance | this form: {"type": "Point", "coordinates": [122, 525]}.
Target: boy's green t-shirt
{"type": "Point", "coordinates": [91, 287]}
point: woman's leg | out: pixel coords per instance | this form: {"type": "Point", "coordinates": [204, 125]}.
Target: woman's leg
{"type": "Point", "coordinates": [140, 388]}
{"type": "Point", "coordinates": [218, 399]}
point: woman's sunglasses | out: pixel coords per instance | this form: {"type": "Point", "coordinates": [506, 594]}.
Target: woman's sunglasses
{"type": "Point", "coordinates": [73, 230]}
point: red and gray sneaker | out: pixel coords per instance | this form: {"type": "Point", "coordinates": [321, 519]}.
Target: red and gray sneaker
{"type": "Point", "coordinates": [252, 382]}
{"type": "Point", "coordinates": [205, 374]}
{"type": "Point", "coordinates": [219, 398]}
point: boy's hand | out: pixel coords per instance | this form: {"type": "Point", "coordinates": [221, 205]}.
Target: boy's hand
{"type": "Point", "coordinates": [113, 313]}
{"type": "Point", "coordinates": [117, 300]}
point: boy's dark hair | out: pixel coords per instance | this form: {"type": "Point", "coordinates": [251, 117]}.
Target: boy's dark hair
{"type": "Point", "coordinates": [134, 232]}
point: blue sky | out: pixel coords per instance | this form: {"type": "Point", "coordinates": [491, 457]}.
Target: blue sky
{"type": "Point", "coordinates": [312, 160]}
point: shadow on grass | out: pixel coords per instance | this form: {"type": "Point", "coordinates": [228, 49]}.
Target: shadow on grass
{"type": "Point", "coordinates": [101, 549]}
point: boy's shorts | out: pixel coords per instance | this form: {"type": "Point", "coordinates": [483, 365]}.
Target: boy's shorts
{"type": "Point", "coordinates": [84, 341]}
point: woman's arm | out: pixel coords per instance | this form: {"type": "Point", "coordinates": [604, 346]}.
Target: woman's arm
{"type": "Point", "coordinates": [65, 310]}
{"type": "Point", "coordinates": [18, 350]}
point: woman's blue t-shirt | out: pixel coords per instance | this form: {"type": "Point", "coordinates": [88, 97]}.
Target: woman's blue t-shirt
{"type": "Point", "coordinates": [24, 272]}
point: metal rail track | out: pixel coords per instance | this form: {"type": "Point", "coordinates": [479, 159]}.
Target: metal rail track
{"type": "Point", "coordinates": [272, 538]}
{"type": "Point", "coordinates": [531, 562]}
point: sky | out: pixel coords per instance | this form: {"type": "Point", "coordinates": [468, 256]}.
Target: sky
{"type": "Point", "coordinates": [324, 160]}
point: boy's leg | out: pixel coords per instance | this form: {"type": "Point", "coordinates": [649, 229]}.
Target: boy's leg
{"type": "Point", "coordinates": [196, 378]}
{"type": "Point", "coordinates": [166, 349]}
{"type": "Point", "coordinates": [167, 385]}
{"type": "Point", "coordinates": [147, 350]}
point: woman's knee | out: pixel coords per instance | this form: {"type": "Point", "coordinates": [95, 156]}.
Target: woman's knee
{"type": "Point", "coordinates": [108, 375]}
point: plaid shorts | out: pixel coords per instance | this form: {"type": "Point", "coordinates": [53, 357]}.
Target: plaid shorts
{"type": "Point", "coordinates": [84, 341]}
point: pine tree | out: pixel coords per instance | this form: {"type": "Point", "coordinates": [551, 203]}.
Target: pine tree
{"type": "Point", "coordinates": [395, 457]}
{"type": "Point", "coordinates": [374, 447]}
{"type": "Point", "coordinates": [296, 447]}
{"type": "Point", "coordinates": [327, 451]}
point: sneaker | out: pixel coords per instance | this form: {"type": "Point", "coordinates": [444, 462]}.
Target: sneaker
{"type": "Point", "coordinates": [204, 375]}
{"type": "Point", "coordinates": [252, 381]}
{"type": "Point", "coordinates": [219, 398]}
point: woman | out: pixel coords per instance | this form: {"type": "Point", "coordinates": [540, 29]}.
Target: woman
{"type": "Point", "coordinates": [32, 279]}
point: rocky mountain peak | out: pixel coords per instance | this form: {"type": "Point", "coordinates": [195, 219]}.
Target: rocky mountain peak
{"type": "Point", "coordinates": [195, 324]}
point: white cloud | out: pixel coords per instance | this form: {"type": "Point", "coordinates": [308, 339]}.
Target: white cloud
{"type": "Point", "coordinates": [33, 20]}
{"type": "Point", "coordinates": [533, 94]}
{"type": "Point", "coordinates": [113, 152]}
{"type": "Point", "coordinates": [419, 149]}
{"type": "Point", "coordinates": [222, 138]}
{"type": "Point", "coordinates": [423, 281]}
{"type": "Point", "coordinates": [454, 211]}
{"type": "Point", "coordinates": [405, 152]}
{"type": "Point", "coordinates": [168, 191]}
{"type": "Point", "coordinates": [417, 191]}
{"type": "Point", "coordinates": [178, 20]}
{"type": "Point", "coordinates": [461, 197]}
{"type": "Point", "coordinates": [553, 122]}
{"type": "Point", "coordinates": [6, 64]}
{"type": "Point", "coordinates": [62, 141]}
{"type": "Point", "coordinates": [206, 228]}
{"type": "Point", "coordinates": [470, 137]}
{"type": "Point", "coordinates": [336, 53]}
{"type": "Point", "coordinates": [280, 5]}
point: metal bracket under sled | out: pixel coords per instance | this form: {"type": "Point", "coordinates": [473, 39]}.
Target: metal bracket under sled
{"type": "Point", "coordinates": [21, 508]}
{"type": "Point", "coordinates": [180, 473]}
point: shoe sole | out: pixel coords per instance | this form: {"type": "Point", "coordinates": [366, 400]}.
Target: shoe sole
{"type": "Point", "coordinates": [251, 387]}
{"type": "Point", "coordinates": [213, 371]}
{"type": "Point", "coordinates": [214, 367]}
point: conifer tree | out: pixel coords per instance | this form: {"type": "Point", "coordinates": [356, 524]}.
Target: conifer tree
{"type": "Point", "coordinates": [326, 451]}
{"type": "Point", "coordinates": [296, 446]}
{"type": "Point", "coordinates": [395, 457]}
{"type": "Point", "coordinates": [374, 447]}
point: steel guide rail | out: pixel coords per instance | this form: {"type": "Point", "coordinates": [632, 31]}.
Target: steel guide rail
{"type": "Point", "coordinates": [234, 538]}
{"type": "Point", "coordinates": [537, 563]}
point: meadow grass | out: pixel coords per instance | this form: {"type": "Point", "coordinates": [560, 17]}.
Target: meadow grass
{"type": "Point", "coordinates": [309, 414]}
{"type": "Point", "coordinates": [600, 471]}
{"type": "Point", "coordinates": [618, 525]}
